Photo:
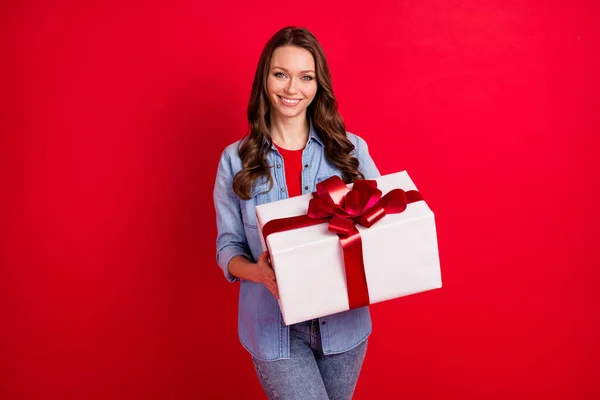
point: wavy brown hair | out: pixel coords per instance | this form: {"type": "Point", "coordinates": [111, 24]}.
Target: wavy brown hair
{"type": "Point", "coordinates": [322, 111]}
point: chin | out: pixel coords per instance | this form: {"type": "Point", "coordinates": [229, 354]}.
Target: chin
{"type": "Point", "coordinates": [287, 113]}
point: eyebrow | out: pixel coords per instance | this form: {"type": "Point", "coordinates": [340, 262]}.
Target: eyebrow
{"type": "Point", "coordinates": [302, 72]}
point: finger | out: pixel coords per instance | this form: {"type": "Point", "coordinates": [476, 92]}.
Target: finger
{"type": "Point", "coordinates": [268, 259]}
{"type": "Point", "coordinates": [270, 274]}
{"type": "Point", "coordinates": [272, 287]}
{"type": "Point", "coordinates": [264, 256]}
{"type": "Point", "coordinates": [274, 291]}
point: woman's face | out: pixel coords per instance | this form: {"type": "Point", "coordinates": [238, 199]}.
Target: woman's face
{"type": "Point", "coordinates": [292, 82]}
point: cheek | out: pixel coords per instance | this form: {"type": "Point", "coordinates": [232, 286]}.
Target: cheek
{"type": "Point", "coordinates": [272, 86]}
{"type": "Point", "coordinates": [311, 91]}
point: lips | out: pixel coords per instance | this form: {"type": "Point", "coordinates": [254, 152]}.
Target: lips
{"type": "Point", "coordinates": [289, 102]}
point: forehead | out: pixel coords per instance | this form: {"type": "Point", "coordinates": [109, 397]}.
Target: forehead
{"type": "Point", "coordinates": [292, 58]}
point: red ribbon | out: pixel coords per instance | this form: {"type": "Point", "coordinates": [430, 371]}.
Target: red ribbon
{"type": "Point", "coordinates": [343, 208]}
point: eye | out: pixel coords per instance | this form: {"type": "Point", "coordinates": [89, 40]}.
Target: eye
{"type": "Point", "coordinates": [307, 78]}
{"type": "Point", "coordinates": [279, 74]}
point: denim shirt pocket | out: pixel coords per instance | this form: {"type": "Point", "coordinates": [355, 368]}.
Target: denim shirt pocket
{"type": "Point", "coordinates": [259, 195]}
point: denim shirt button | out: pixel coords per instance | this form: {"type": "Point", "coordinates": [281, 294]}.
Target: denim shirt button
{"type": "Point", "coordinates": [283, 189]}
{"type": "Point", "coordinates": [305, 187]}
{"type": "Point", "coordinates": [305, 165]}
{"type": "Point", "coordinates": [324, 322]}
{"type": "Point", "coordinates": [278, 165]}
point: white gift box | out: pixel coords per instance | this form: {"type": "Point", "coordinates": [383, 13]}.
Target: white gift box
{"type": "Point", "coordinates": [400, 256]}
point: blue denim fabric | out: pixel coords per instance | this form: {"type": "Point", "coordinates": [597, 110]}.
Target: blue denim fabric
{"type": "Point", "coordinates": [308, 373]}
{"type": "Point", "coordinates": [260, 324]}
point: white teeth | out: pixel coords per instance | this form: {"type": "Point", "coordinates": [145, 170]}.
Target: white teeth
{"type": "Point", "coordinates": [290, 101]}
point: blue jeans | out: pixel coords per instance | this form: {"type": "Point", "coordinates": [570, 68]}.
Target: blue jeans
{"type": "Point", "coordinates": [308, 373]}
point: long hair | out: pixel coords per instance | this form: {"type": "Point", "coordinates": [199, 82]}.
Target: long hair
{"type": "Point", "coordinates": [322, 111]}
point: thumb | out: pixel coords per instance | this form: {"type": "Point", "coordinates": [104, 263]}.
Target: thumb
{"type": "Point", "coordinates": [265, 257]}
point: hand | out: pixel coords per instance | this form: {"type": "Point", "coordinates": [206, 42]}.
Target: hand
{"type": "Point", "coordinates": [265, 274]}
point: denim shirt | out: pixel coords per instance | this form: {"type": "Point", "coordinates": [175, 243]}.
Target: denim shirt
{"type": "Point", "coordinates": [260, 324]}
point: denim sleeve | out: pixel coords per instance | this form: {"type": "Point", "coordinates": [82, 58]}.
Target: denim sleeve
{"type": "Point", "coordinates": [231, 238]}
{"type": "Point", "coordinates": [367, 165]}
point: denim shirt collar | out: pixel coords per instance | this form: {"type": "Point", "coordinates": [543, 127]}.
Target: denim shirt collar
{"type": "Point", "coordinates": [312, 135]}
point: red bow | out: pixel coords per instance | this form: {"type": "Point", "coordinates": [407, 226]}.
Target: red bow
{"type": "Point", "coordinates": [343, 208]}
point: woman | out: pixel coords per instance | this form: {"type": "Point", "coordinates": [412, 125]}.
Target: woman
{"type": "Point", "coordinates": [296, 139]}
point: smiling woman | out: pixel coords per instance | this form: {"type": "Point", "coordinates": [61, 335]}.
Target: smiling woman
{"type": "Point", "coordinates": [296, 135]}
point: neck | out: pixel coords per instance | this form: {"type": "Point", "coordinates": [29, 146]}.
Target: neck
{"type": "Point", "coordinates": [290, 133]}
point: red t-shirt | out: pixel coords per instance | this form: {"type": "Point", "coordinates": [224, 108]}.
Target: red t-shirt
{"type": "Point", "coordinates": [292, 160]}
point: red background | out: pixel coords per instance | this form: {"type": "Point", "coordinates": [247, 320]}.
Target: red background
{"type": "Point", "coordinates": [113, 118]}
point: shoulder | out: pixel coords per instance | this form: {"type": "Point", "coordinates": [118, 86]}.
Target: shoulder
{"type": "Point", "coordinates": [229, 162]}
{"type": "Point", "coordinates": [232, 151]}
{"type": "Point", "coordinates": [231, 156]}
{"type": "Point", "coordinates": [360, 145]}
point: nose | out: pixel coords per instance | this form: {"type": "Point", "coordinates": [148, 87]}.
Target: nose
{"type": "Point", "coordinates": [291, 86]}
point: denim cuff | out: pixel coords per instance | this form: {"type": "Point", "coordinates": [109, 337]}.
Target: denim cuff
{"type": "Point", "coordinates": [225, 256]}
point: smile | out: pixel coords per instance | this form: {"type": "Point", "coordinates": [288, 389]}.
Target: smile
{"type": "Point", "coordinates": [289, 102]}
